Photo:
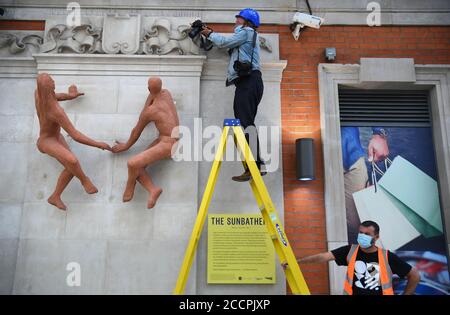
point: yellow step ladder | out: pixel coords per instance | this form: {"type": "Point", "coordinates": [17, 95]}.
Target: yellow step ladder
{"type": "Point", "coordinates": [284, 251]}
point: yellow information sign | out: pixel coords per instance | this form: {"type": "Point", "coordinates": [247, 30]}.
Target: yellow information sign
{"type": "Point", "coordinates": [239, 250]}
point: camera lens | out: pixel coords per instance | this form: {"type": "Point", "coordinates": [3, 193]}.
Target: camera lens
{"type": "Point", "coordinates": [194, 32]}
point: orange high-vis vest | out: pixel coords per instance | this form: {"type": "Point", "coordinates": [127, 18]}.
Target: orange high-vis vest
{"type": "Point", "coordinates": [385, 271]}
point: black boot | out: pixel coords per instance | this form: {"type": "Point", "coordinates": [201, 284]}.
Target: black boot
{"type": "Point", "coordinates": [246, 176]}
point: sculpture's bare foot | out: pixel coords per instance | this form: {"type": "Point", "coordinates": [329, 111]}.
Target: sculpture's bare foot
{"type": "Point", "coordinates": [128, 193]}
{"type": "Point", "coordinates": [89, 187]}
{"type": "Point", "coordinates": [57, 202]}
{"type": "Point", "coordinates": [154, 195]}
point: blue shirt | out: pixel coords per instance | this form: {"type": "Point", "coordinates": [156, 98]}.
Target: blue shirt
{"type": "Point", "coordinates": [351, 145]}
{"type": "Point", "coordinates": [241, 38]}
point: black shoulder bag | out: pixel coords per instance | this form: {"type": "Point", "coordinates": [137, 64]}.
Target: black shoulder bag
{"type": "Point", "coordinates": [244, 68]}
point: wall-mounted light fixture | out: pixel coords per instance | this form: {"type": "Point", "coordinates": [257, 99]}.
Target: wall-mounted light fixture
{"type": "Point", "coordinates": [304, 152]}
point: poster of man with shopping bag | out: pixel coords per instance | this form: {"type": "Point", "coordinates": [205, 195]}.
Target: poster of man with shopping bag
{"type": "Point", "coordinates": [401, 194]}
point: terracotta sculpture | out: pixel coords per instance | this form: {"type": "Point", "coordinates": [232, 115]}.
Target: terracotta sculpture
{"type": "Point", "coordinates": [159, 108]}
{"type": "Point", "coordinates": [51, 118]}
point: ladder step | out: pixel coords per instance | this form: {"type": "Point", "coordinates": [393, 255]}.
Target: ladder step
{"type": "Point", "coordinates": [231, 122]}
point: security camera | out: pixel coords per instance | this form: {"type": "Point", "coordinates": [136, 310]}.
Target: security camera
{"type": "Point", "coordinates": [301, 20]}
{"type": "Point", "coordinates": [307, 20]}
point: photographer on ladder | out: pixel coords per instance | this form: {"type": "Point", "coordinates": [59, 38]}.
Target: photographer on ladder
{"type": "Point", "coordinates": [244, 72]}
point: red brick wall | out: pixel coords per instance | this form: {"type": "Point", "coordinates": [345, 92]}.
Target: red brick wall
{"type": "Point", "coordinates": [300, 110]}
{"type": "Point", "coordinates": [22, 25]}
{"type": "Point", "coordinates": [304, 201]}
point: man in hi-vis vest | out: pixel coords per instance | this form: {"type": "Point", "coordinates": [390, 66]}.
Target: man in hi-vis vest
{"type": "Point", "coordinates": [369, 268]}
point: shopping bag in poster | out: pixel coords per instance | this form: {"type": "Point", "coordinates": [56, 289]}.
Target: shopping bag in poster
{"type": "Point", "coordinates": [418, 192]}
{"type": "Point", "coordinates": [379, 207]}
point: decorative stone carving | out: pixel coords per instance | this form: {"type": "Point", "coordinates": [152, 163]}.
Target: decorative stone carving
{"type": "Point", "coordinates": [121, 33]}
{"type": "Point", "coordinates": [83, 39]}
{"type": "Point", "coordinates": [20, 43]}
{"type": "Point", "coordinates": [264, 43]}
{"type": "Point", "coordinates": [161, 39]}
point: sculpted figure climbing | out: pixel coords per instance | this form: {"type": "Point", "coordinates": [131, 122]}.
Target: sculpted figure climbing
{"type": "Point", "coordinates": [160, 109]}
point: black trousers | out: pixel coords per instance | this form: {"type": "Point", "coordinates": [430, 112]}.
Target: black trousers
{"type": "Point", "coordinates": [248, 95]}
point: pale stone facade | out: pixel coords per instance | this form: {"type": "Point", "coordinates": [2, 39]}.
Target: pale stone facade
{"type": "Point", "coordinates": [125, 248]}
{"type": "Point", "coordinates": [121, 248]}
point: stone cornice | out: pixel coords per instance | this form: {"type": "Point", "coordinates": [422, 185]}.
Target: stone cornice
{"type": "Point", "coordinates": [18, 67]}
{"type": "Point", "coordinates": [97, 64]}
{"type": "Point", "coordinates": [342, 12]}
{"type": "Point", "coordinates": [216, 69]}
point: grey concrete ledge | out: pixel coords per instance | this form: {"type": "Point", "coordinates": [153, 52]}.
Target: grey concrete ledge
{"type": "Point", "coordinates": [92, 64]}
{"type": "Point", "coordinates": [19, 67]}
{"type": "Point", "coordinates": [342, 12]}
{"type": "Point", "coordinates": [215, 69]}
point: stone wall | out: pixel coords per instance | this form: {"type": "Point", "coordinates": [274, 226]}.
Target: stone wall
{"type": "Point", "coordinates": [121, 247]}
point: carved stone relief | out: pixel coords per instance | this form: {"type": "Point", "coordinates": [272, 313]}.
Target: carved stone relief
{"type": "Point", "coordinates": [83, 39]}
{"type": "Point", "coordinates": [16, 43]}
{"type": "Point", "coordinates": [121, 33]}
{"type": "Point", "coordinates": [110, 34]}
{"type": "Point", "coordinates": [163, 38]}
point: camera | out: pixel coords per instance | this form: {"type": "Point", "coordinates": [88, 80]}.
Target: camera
{"type": "Point", "coordinates": [196, 28]}
{"type": "Point", "coordinates": [242, 68]}
{"type": "Point", "coordinates": [307, 20]}
{"type": "Point", "coordinates": [194, 34]}
{"type": "Point", "coordinates": [301, 20]}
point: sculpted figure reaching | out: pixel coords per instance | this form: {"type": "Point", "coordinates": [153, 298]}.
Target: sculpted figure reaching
{"type": "Point", "coordinates": [52, 118]}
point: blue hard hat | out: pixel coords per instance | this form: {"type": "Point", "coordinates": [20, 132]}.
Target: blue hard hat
{"type": "Point", "coordinates": [250, 15]}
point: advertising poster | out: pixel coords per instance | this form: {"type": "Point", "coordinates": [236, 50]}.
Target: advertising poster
{"type": "Point", "coordinates": [240, 250]}
{"type": "Point", "coordinates": [400, 193]}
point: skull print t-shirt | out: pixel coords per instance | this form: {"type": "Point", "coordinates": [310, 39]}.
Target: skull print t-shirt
{"type": "Point", "coordinates": [366, 279]}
